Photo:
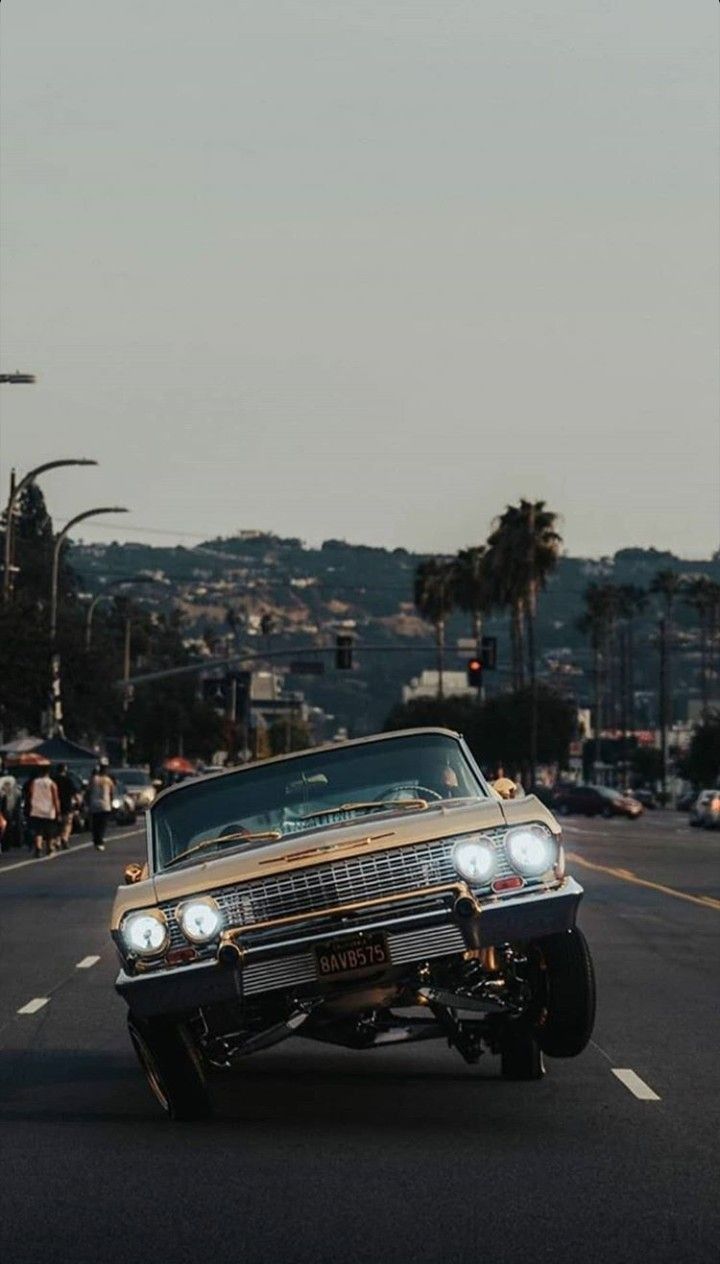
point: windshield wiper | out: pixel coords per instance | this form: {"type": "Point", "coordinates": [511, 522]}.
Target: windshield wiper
{"type": "Point", "coordinates": [269, 835]}
{"type": "Point", "coordinates": [417, 805]}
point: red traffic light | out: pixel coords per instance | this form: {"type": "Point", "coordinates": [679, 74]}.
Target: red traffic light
{"type": "Point", "coordinates": [475, 673]}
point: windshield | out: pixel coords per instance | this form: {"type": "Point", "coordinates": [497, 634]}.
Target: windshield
{"type": "Point", "coordinates": [310, 792]}
{"type": "Point", "coordinates": [131, 776]}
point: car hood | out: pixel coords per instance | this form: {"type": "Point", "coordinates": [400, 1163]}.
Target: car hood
{"type": "Point", "coordinates": [370, 834]}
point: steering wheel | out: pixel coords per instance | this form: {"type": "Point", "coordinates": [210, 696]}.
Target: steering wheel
{"type": "Point", "coordinates": [424, 792]}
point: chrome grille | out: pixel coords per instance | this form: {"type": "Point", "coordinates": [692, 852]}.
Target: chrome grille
{"type": "Point", "coordinates": [354, 879]}
{"type": "Point", "coordinates": [417, 945]}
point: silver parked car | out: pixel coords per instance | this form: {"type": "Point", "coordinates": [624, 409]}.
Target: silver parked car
{"type": "Point", "coordinates": [705, 811]}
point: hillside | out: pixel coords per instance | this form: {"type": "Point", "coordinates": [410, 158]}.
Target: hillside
{"type": "Point", "coordinates": [223, 587]}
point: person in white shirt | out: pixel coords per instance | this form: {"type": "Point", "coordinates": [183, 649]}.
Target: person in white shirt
{"type": "Point", "coordinates": [100, 797]}
{"type": "Point", "coordinates": [42, 807]}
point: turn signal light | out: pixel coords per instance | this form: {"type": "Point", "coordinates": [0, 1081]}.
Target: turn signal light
{"type": "Point", "coordinates": [508, 884]}
{"type": "Point", "coordinates": [179, 956]}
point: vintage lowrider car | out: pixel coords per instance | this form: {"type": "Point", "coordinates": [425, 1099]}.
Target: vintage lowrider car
{"type": "Point", "coordinates": [363, 894]}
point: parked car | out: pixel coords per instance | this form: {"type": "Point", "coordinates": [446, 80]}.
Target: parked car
{"type": "Point", "coordinates": [705, 811]}
{"type": "Point", "coordinates": [595, 801]}
{"type": "Point", "coordinates": [686, 800]}
{"type": "Point", "coordinates": [644, 796]}
{"type": "Point", "coordinates": [138, 784]}
{"type": "Point", "coordinates": [329, 893]}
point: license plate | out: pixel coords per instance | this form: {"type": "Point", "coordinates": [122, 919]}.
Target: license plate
{"type": "Point", "coordinates": [338, 958]}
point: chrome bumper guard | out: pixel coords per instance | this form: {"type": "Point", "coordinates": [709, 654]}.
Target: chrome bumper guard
{"type": "Point", "coordinates": [289, 964]}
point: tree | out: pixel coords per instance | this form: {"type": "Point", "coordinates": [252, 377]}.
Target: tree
{"type": "Point", "coordinates": [602, 603]}
{"type": "Point", "coordinates": [473, 586]}
{"type": "Point", "coordinates": [498, 730]}
{"type": "Point", "coordinates": [667, 585]}
{"type": "Point", "coordinates": [702, 594]}
{"type": "Point", "coordinates": [702, 763]}
{"type": "Point", "coordinates": [524, 548]}
{"type": "Point", "coordinates": [433, 592]}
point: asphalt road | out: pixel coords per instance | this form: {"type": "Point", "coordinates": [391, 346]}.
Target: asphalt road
{"type": "Point", "coordinates": [318, 1154]}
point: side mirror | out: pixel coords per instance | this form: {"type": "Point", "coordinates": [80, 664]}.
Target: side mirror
{"type": "Point", "coordinates": [505, 788]}
{"type": "Point", "coordinates": [134, 873]}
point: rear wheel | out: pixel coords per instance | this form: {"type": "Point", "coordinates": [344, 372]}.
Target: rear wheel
{"type": "Point", "coordinates": [570, 994]}
{"type": "Point", "coordinates": [520, 1053]}
{"type": "Point", "coordinates": [172, 1067]}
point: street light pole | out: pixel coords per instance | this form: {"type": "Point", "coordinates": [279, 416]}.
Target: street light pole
{"type": "Point", "coordinates": [114, 583]}
{"type": "Point", "coordinates": [16, 490]}
{"type": "Point", "coordinates": [56, 690]}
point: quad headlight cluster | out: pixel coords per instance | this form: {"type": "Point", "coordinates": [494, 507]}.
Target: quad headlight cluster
{"type": "Point", "coordinates": [530, 849]}
{"type": "Point", "coordinates": [146, 933]}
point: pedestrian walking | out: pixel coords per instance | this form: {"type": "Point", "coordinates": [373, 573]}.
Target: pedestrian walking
{"type": "Point", "coordinates": [42, 808]}
{"type": "Point", "coordinates": [9, 809]}
{"type": "Point", "coordinates": [100, 797]}
{"type": "Point", "coordinates": [68, 803]}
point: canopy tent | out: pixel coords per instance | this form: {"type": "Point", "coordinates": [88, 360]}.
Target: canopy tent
{"type": "Point", "coordinates": [58, 750]}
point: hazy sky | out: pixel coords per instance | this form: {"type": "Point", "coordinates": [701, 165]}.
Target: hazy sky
{"type": "Point", "coordinates": [366, 268]}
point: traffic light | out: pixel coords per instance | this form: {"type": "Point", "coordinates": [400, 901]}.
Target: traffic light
{"type": "Point", "coordinates": [343, 652]}
{"type": "Point", "coordinates": [474, 673]}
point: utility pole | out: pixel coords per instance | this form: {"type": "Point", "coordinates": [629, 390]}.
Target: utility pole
{"type": "Point", "coordinates": [126, 686]}
{"type": "Point", "coordinates": [531, 648]}
{"type": "Point", "coordinates": [56, 687]}
{"type": "Point", "coordinates": [663, 700]}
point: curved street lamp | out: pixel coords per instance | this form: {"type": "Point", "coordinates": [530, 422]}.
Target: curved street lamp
{"type": "Point", "coordinates": [55, 685]}
{"type": "Point", "coordinates": [59, 538]}
{"type": "Point", "coordinates": [15, 491]}
{"type": "Point", "coordinates": [105, 595]}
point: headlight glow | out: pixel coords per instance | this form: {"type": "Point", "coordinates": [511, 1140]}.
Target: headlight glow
{"type": "Point", "coordinates": [531, 850]}
{"type": "Point", "coordinates": [200, 920]}
{"type": "Point", "coordinates": [145, 933]}
{"type": "Point", "coordinates": [474, 861]}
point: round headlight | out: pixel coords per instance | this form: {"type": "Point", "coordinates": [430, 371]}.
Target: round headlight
{"type": "Point", "coordinates": [200, 920]}
{"type": "Point", "coordinates": [145, 933]}
{"type": "Point", "coordinates": [531, 850]}
{"type": "Point", "coordinates": [474, 861]}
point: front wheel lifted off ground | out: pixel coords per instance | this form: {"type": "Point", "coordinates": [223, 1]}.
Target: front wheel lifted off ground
{"type": "Point", "coordinates": [172, 1067]}
{"type": "Point", "coordinates": [570, 994]}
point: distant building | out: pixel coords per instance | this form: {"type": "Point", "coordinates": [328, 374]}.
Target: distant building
{"type": "Point", "coordinates": [425, 685]}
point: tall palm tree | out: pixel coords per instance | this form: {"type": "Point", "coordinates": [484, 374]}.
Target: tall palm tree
{"type": "Point", "coordinates": [667, 586]}
{"type": "Point", "coordinates": [598, 621]}
{"type": "Point", "coordinates": [473, 586]}
{"type": "Point", "coordinates": [433, 592]}
{"type": "Point", "coordinates": [631, 602]}
{"type": "Point", "coordinates": [524, 548]}
{"type": "Point", "coordinates": [702, 594]}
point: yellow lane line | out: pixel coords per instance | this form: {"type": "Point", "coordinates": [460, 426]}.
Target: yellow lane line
{"type": "Point", "coordinates": [627, 875]}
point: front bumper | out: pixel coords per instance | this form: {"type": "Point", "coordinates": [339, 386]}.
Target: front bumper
{"type": "Point", "coordinates": [427, 932]}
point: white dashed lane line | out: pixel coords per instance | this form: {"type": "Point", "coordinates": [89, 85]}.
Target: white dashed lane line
{"type": "Point", "coordinates": [34, 1005]}
{"type": "Point", "coordinates": [635, 1085]}
{"type": "Point", "coordinates": [86, 963]}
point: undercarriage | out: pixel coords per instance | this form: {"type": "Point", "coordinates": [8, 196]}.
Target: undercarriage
{"type": "Point", "coordinates": [466, 1002]}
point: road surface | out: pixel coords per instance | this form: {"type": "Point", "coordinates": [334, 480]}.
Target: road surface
{"type": "Point", "coordinates": [320, 1154]}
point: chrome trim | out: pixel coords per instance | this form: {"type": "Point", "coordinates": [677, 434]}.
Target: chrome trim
{"type": "Point", "coordinates": [348, 883]}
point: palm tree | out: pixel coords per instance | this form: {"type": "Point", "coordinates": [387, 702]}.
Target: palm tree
{"type": "Point", "coordinates": [523, 548]}
{"type": "Point", "coordinates": [433, 592]}
{"type": "Point", "coordinates": [598, 622]}
{"type": "Point", "coordinates": [667, 585]}
{"type": "Point", "coordinates": [473, 587]}
{"type": "Point", "coordinates": [631, 601]}
{"type": "Point", "coordinates": [702, 594]}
